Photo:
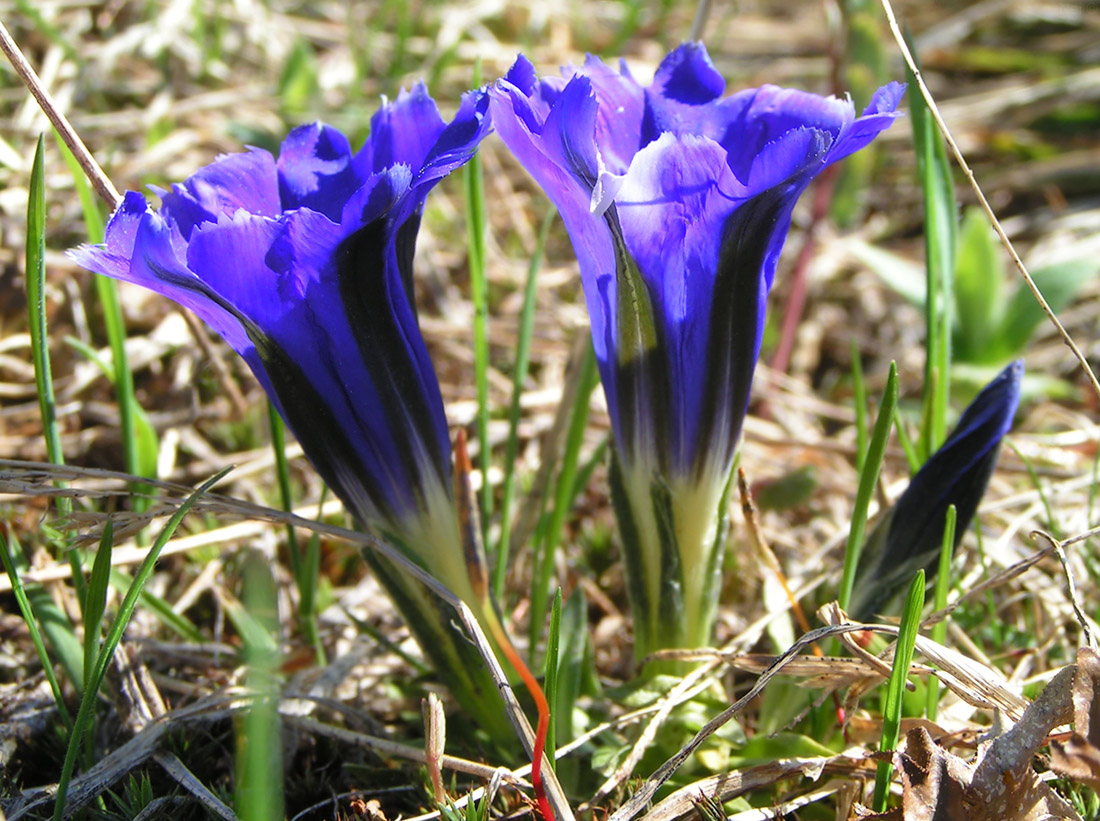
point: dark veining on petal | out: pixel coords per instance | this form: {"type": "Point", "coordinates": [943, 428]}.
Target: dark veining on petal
{"type": "Point", "coordinates": [405, 246]}
{"type": "Point", "coordinates": [384, 343]}
{"type": "Point", "coordinates": [735, 324]}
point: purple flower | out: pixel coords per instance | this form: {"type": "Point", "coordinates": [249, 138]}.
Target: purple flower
{"type": "Point", "coordinates": [678, 201]}
{"type": "Point", "coordinates": [304, 266]}
{"type": "Point", "coordinates": [910, 536]}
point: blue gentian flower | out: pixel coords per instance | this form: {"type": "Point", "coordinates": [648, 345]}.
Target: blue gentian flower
{"type": "Point", "coordinates": [303, 264]}
{"type": "Point", "coordinates": [678, 201]}
{"type": "Point", "coordinates": [910, 536]}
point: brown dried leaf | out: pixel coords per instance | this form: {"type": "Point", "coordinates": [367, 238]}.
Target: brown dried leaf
{"type": "Point", "coordinates": [939, 786]}
{"type": "Point", "coordinates": [934, 781]}
{"type": "Point", "coordinates": [1079, 757]}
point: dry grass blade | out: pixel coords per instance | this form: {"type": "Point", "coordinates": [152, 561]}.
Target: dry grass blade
{"type": "Point", "coordinates": [727, 786]}
{"type": "Point", "coordinates": [975, 683]}
{"type": "Point", "coordinates": [1071, 587]}
{"type": "Point", "coordinates": [186, 779]}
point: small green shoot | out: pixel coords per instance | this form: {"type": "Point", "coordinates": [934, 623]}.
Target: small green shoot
{"type": "Point", "coordinates": [36, 305]}
{"type": "Point", "coordinates": [895, 687]}
{"type": "Point", "coordinates": [95, 602]}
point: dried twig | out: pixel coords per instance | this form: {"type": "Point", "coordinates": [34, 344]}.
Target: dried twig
{"type": "Point", "coordinates": [99, 180]}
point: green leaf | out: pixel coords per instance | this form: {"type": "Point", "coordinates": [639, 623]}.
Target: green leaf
{"type": "Point", "coordinates": [979, 278]}
{"type": "Point", "coordinates": [764, 749]}
{"type": "Point", "coordinates": [573, 662]}
{"type": "Point", "coordinates": [146, 443]}
{"type": "Point", "coordinates": [943, 586]}
{"type": "Point", "coordinates": [901, 275]}
{"type": "Point", "coordinates": [1059, 284]}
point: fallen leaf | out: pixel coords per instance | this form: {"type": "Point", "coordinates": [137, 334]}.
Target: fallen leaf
{"type": "Point", "coordinates": [1078, 758]}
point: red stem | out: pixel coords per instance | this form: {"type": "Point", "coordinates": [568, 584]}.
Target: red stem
{"type": "Point", "coordinates": [543, 725]}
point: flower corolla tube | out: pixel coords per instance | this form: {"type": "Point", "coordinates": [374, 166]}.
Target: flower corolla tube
{"type": "Point", "coordinates": [678, 201]}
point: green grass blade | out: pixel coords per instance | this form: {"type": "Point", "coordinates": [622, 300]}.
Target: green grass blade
{"type": "Point", "coordinates": [876, 452]}
{"type": "Point", "coordinates": [584, 474]}
{"type": "Point", "coordinates": [27, 612]}
{"type": "Point", "coordinates": [519, 376]}
{"type": "Point", "coordinates": [940, 236]}
{"type": "Point", "coordinates": [311, 572]}
{"type": "Point", "coordinates": [95, 602]}
{"type": "Point", "coordinates": [906, 442]}
{"type": "Point", "coordinates": [43, 377]}
{"type": "Point", "coordinates": [563, 497]}
{"type": "Point", "coordinates": [943, 586]}
{"type": "Point", "coordinates": [114, 636]}
{"type": "Point", "coordinates": [895, 688]}
{"type": "Point", "coordinates": [282, 473]}
{"type": "Point", "coordinates": [36, 304]}
{"type": "Point", "coordinates": [859, 397]}
{"type": "Point", "coordinates": [474, 194]}
{"type": "Point", "coordinates": [551, 676]}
